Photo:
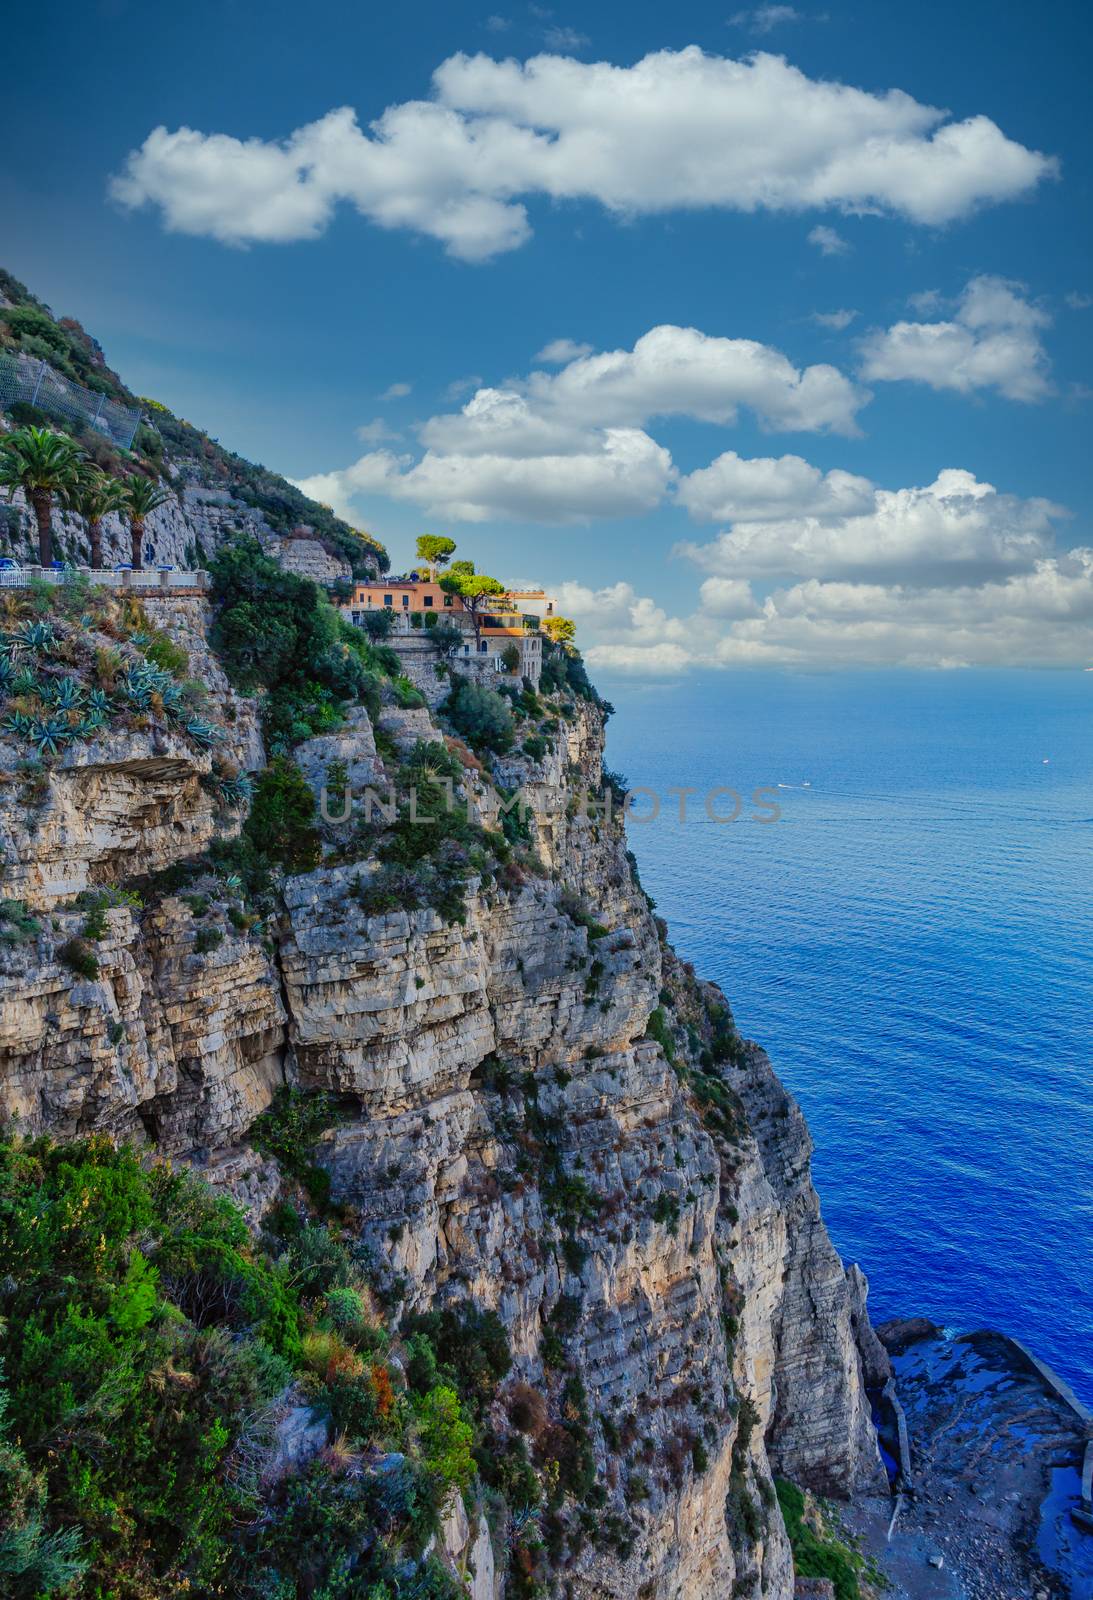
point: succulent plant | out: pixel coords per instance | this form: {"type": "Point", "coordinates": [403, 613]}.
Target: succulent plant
{"type": "Point", "coordinates": [203, 733]}
{"type": "Point", "coordinates": [49, 733]}
{"type": "Point", "coordinates": [66, 693]}
{"type": "Point", "coordinates": [236, 792]}
{"type": "Point", "coordinates": [35, 636]}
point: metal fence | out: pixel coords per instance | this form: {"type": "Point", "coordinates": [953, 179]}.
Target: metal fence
{"type": "Point", "coordinates": [22, 378]}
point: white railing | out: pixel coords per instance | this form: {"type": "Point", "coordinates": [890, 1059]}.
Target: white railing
{"type": "Point", "coordinates": [154, 578]}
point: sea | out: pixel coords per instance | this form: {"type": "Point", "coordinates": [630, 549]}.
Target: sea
{"type": "Point", "coordinates": [912, 942]}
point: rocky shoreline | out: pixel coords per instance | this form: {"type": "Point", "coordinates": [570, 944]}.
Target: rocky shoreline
{"type": "Point", "coordinates": [990, 1505]}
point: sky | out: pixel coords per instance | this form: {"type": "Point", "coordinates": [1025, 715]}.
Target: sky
{"type": "Point", "coordinates": [760, 337]}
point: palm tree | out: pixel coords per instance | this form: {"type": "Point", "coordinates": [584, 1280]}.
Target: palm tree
{"type": "Point", "coordinates": [94, 495]}
{"type": "Point", "coordinates": [142, 496]}
{"type": "Point", "coordinates": [41, 463]}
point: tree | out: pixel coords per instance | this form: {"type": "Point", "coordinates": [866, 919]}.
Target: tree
{"type": "Point", "coordinates": [481, 716]}
{"type": "Point", "coordinates": [435, 549]}
{"type": "Point", "coordinates": [560, 630]}
{"type": "Point", "coordinates": [43, 464]}
{"type": "Point", "coordinates": [142, 496]}
{"type": "Point", "coordinates": [473, 588]}
{"type": "Point", "coordinates": [93, 496]}
{"type": "Point", "coordinates": [378, 624]}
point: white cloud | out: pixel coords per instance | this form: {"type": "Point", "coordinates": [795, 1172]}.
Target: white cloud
{"type": "Point", "coordinates": [828, 242]}
{"type": "Point", "coordinates": [564, 39]}
{"type": "Point", "coordinates": [728, 598]}
{"type": "Point", "coordinates": [677, 130]}
{"type": "Point", "coordinates": [620, 472]}
{"type": "Point", "coordinates": [1077, 301]}
{"type": "Point", "coordinates": [733, 489]}
{"type": "Point", "coordinates": [838, 321]}
{"type": "Point", "coordinates": [397, 391]}
{"type": "Point", "coordinates": [764, 19]}
{"type": "Point", "coordinates": [1039, 617]}
{"type": "Point", "coordinates": [572, 445]}
{"type": "Point", "coordinates": [674, 371]}
{"type": "Point", "coordinates": [991, 342]}
{"type": "Point", "coordinates": [375, 432]}
{"type": "Point", "coordinates": [954, 530]}
{"type": "Point", "coordinates": [925, 301]}
{"type": "Point", "coordinates": [496, 24]}
{"type": "Point", "coordinates": [559, 351]}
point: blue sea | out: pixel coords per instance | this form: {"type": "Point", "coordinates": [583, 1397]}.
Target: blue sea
{"type": "Point", "coordinates": [912, 942]}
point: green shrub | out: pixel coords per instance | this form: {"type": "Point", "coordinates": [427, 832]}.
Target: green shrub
{"type": "Point", "coordinates": [817, 1555]}
{"type": "Point", "coordinates": [208, 939]}
{"type": "Point", "coordinates": [78, 956]}
{"type": "Point", "coordinates": [481, 716]}
{"type": "Point", "coordinates": [17, 926]}
{"type": "Point", "coordinates": [280, 825]}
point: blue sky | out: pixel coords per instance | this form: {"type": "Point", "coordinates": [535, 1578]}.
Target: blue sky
{"type": "Point", "coordinates": [388, 280]}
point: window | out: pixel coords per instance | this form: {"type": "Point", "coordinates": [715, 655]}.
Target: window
{"type": "Point", "coordinates": [483, 646]}
{"type": "Point", "coordinates": [406, 602]}
{"type": "Point", "coordinates": [427, 600]}
{"type": "Point", "coordinates": [357, 618]}
{"type": "Point", "coordinates": [447, 599]}
{"type": "Point", "coordinates": [388, 599]}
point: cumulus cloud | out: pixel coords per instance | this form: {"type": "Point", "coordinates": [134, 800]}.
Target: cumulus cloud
{"type": "Point", "coordinates": [828, 242]}
{"type": "Point", "coordinates": [397, 391]}
{"type": "Point", "coordinates": [620, 472]}
{"type": "Point", "coordinates": [956, 574]}
{"type": "Point", "coordinates": [954, 530]}
{"type": "Point", "coordinates": [734, 489]}
{"type": "Point", "coordinates": [572, 445]}
{"type": "Point", "coordinates": [674, 371]}
{"type": "Point", "coordinates": [1043, 617]}
{"type": "Point", "coordinates": [678, 130]}
{"type": "Point", "coordinates": [992, 341]}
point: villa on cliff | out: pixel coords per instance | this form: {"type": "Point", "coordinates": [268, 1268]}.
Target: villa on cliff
{"type": "Point", "coordinates": [418, 602]}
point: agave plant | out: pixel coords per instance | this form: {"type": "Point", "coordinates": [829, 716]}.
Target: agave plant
{"type": "Point", "coordinates": [25, 681]}
{"type": "Point", "coordinates": [98, 703]}
{"type": "Point", "coordinates": [7, 673]}
{"type": "Point", "coordinates": [19, 723]}
{"type": "Point", "coordinates": [66, 694]}
{"type": "Point", "coordinates": [203, 734]}
{"type": "Point", "coordinates": [173, 700]}
{"type": "Point", "coordinates": [236, 792]}
{"type": "Point", "coordinates": [91, 723]}
{"type": "Point", "coordinates": [35, 636]}
{"type": "Point", "coordinates": [49, 733]}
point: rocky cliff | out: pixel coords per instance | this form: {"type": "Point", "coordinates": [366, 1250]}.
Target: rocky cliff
{"type": "Point", "coordinates": [541, 1111]}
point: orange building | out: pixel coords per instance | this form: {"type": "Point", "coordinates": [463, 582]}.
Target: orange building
{"type": "Point", "coordinates": [503, 620]}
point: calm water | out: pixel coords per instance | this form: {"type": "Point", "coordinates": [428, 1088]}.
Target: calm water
{"type": "Point", "coordinates": [913, 944]}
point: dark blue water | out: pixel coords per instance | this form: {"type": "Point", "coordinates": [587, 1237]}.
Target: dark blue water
{"type": "Point", "coordinates": [913, 943]}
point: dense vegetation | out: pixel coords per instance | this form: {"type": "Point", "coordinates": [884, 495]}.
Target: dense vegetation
{"type": "Point", "coordinates": [78, 661]}
{"type": "Point", "coordinates": [819, 1548]}
{"type": "Point", "coordinates": [28, 327]}
{"type": "Point", "coordinates": [278, 633]}
{"type": "Point", "coordinates": [151, 1342]}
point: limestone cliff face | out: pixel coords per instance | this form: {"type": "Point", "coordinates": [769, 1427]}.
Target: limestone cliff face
{"type": "Point", "coordinates": [632, 1200]}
